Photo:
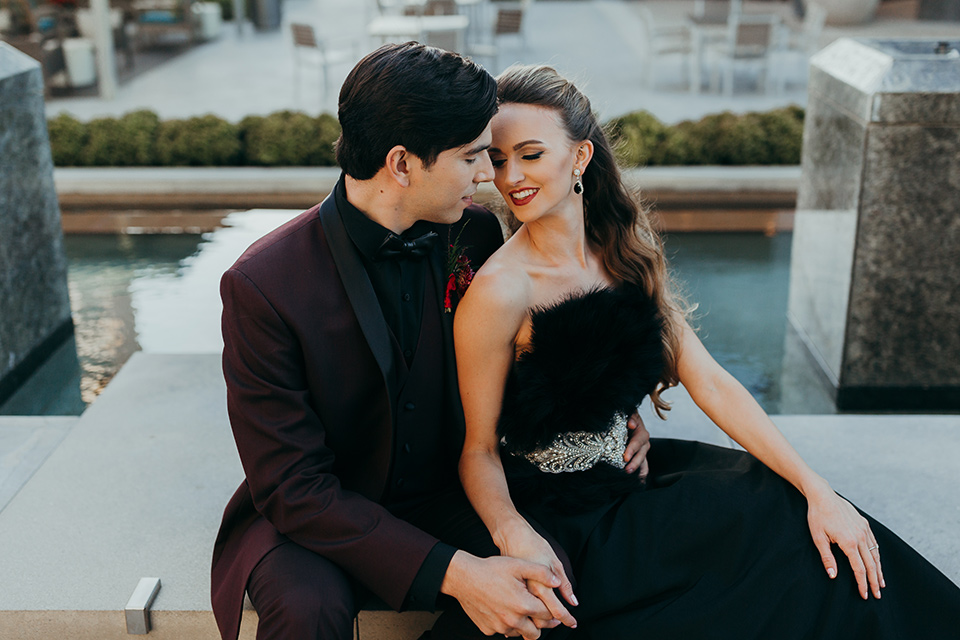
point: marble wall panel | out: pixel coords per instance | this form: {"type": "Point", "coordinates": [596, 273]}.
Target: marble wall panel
{"type": "Point", "coordinates": [917, 108]}
{"type": "Point", "coordinates": [824, 233]}
{"type": "Point", "coordinates": [832, 160]}
{"type": "Point", "coordinates": [875, 271]}
{"type": "Point", "coordinates": [905, 299]}
{"type": "Point", "coordinates": [33, 282]}
{"type": "Point", "coordinates": [820, 277]}
{"type": "Point", "coordinates": [848, 74]}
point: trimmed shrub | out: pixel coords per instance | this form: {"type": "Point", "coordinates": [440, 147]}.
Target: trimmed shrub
{"type": "Point", "coordinates": [329, 133]}
{"type": "Point", "coordinates": [67, 139]}
{"type": "Point", "coordinates": [289, 138]}
{"type": "Point", "coordinates": [639, 138]}
{"type": "Point", "coordinates": [772, 137]}
{"type": "Point", "coordinates": [784, 131]}
{"type": "Point", "coordinates": [124, 142]}
{"type": "Point", "coordinates": [248, 130]}
{"type": "Point", "coordinates": [681, 146]}
{"type": "Point", "coordinates": [201, 141]}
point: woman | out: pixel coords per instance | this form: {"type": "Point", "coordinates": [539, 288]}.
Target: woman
{"type": "Point", "coordinates": [569, 325]}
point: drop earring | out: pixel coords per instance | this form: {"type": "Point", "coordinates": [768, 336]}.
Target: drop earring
{"type": "Point", "coordinates": [578, 185]}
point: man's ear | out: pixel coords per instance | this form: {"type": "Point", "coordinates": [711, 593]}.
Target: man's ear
{"type": "Point", "coordinates": [398, 165]}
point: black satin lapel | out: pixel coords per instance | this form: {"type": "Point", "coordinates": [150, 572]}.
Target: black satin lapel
{"type": "Point", "coordinates": [360, 291]}
{"type": "Point", "coordinates": [438, 261]}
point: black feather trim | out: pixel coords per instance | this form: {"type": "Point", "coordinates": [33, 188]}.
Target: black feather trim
{"type": "Point", "coordinates": [591, 355]}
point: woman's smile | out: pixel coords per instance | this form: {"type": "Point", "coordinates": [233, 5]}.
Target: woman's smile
{"type": "Point", "coordinates": [521, 197]}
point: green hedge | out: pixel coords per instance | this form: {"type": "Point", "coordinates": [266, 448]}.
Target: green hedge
{"type": "Point", "coordinates": [140, 138]}
{"type": "Point", "coordinates": [772, 137]}
{"type": "Point", "coordinates": [290, 138]}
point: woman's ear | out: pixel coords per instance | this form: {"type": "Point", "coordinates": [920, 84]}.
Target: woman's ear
{"type": "Point", "coordinates": [397, 165]}
{"type": "Point", "coordinates": [584, 155]}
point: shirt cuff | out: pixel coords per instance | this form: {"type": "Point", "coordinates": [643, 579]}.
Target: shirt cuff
{"type": "Point", "coordinates": [423, 593]}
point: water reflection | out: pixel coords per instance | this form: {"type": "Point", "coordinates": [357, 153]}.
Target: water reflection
{"type": "Point", "coordinates": [741, 282]}
{"type": "Point", "coordinates": [102, 272]}
{"type": "Point", "coordinates": [160, 294]}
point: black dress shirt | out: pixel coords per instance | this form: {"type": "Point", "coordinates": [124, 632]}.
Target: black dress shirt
{"type": "Point", "coordinates": [398, 282]}
{"type": "Point", "coordinates": [399, 286]}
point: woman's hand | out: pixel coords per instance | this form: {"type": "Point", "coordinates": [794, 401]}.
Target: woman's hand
{"type": "Point", "coordinates": [635, 455]}
{"type": "Point", "coordinates": [834, 520]}
{"type": "Point", "coordinates": [522, 541]}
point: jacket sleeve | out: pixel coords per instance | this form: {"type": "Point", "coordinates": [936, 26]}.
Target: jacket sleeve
{"type": "Point", "coordinates": [281, 442]}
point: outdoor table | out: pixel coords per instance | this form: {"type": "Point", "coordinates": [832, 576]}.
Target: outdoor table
{"type": "Point", "coordinates": [400, 5]}
{"type": "Point", "coordinates": [393, 28]}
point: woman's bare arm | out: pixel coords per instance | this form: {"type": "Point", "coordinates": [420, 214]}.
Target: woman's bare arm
{"type": "Point", "coordinates": [485, 328]}
{"type": "Point", "coordinates": [734, 410]}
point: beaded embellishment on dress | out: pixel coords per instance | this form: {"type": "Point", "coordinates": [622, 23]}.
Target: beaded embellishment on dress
{"type": "Point", "coordinates": [582, 450]}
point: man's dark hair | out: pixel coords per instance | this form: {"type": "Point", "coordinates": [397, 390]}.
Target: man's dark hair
{"type": "Point", "coordinates": [421, 97]}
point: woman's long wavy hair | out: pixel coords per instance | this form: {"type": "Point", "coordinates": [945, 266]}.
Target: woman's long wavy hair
{"type": "Point", "coordinates": [615, 222]}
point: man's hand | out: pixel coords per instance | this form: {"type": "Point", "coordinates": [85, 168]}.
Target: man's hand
{"type": "Point", "coordinates": [637, 447]}
{"type": "Point", "coordinates": [493, 592]}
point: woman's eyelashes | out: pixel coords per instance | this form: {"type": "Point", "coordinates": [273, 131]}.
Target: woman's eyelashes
{"type": "Point", "coordinates": [499, 162]}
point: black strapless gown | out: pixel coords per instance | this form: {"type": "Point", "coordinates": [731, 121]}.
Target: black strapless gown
{"type": "Point", "coordinates": [713, 544]}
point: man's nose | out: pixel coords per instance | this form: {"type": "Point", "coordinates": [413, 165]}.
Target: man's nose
{"type": "Point", "coordinates": [485, 170]}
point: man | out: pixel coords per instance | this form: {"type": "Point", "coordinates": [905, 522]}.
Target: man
{"type": "Point", "coordinates": [341, 384]}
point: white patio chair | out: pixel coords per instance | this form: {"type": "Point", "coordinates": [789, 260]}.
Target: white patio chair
{"type": "Point", "coordinates": [750, 40]}
{"type": "Point", "coordinates": [509, 22]}
{"type": "Point", "coordinates": [306, 43]}
{"type": "Point", "coordinates": [803, 43]}
{"type": "Point", "coordinates": [662, 40]}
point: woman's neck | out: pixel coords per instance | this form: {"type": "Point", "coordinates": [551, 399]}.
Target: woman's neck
{"type": "Point", "coordinates": [559, 239]}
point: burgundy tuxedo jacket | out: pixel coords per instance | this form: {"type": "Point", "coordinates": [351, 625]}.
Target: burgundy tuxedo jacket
{"type": "Point", "coordinates": [309, 367]}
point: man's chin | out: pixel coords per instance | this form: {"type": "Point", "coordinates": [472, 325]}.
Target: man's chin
{"type": "Point", "coordinates": [455, 215]}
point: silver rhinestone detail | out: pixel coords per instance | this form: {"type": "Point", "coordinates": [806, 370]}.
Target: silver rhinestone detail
{"type": "Point", "coordinates": [582, 450]}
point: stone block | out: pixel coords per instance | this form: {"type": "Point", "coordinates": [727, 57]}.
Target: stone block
{"type": "Point", "coordinates": [876, 257]}
{"type": "Point", "coordinates": [35, 313]}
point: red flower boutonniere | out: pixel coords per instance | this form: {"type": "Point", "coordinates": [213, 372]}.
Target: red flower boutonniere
{"type": "Point", "coordinates": [459, 273]}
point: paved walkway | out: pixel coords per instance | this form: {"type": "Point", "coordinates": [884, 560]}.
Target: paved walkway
{"type": "Point", "coordinates": [597, 42]}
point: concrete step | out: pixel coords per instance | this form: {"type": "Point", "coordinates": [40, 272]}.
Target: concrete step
{"type": "Point", "coordinates": [137, 486]}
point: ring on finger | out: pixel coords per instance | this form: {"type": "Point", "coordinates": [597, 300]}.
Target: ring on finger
{"type": "Point", "coordinates": [876, 546]}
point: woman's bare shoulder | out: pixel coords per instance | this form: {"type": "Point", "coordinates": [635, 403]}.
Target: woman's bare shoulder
{"type": "Point", "coordinates": [499, 295]}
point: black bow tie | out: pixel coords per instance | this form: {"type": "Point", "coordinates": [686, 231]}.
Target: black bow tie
{"type": "Point", "coordinates": [396, 248]}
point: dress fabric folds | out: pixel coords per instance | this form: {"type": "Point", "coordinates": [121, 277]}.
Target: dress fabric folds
{"type": "Point", "coordinates": [713, 544]}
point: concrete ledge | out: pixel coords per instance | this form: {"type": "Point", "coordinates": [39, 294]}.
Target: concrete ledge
{"type": "Point", "coordinates": [301, 187]}
{"type": "Point", "coordinates": [137, 487]}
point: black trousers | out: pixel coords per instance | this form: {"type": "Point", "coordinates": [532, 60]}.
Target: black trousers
{"type": "Point", "coordinates": [299, 595]}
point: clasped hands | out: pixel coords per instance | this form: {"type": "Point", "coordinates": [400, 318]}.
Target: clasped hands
{"type": "Point", "coordinates": [514, 595]}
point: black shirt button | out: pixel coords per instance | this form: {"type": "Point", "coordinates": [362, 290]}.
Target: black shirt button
{"type": "Point", "coordinates": [406, 297]}
{"type": "Point", "coordinates": [399, 482]}
{"type": "Point", "coordinates": [407, 353]}
{"type": "Point", "coordinates": [409, 406]}
{"type": "Point", "coordinates": [407, 448]}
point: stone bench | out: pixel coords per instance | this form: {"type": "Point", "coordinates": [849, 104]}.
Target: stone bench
{"type": "Point", "coordinates": [137, 486]}
{"type": "Point", "coordinates": [133, 488]}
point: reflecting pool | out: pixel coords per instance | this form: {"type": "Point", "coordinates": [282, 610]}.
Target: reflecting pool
{"type": "Point", "coordinates": [159, 294]}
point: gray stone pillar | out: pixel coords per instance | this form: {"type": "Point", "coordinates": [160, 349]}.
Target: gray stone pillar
{"type": "Point", "coordinates": [34, 301]}
{"type": "Point", "coordinates": [875, 271]}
